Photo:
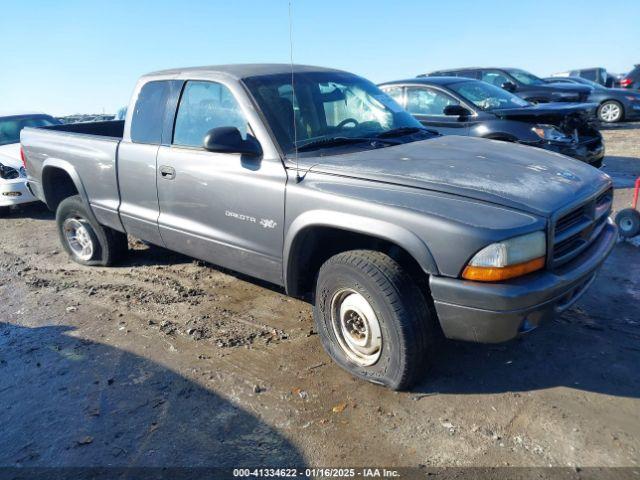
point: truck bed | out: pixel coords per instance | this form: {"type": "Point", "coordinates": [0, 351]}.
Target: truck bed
{"type": "Point", "coordinates": [86, 151]}
{"type": "Point", "coordinates": [111, 129]}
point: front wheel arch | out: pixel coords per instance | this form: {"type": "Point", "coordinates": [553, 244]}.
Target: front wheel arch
{"type": "Point", "coordinates": [314, 244]}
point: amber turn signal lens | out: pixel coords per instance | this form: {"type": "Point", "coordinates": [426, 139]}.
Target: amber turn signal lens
{"type": "Point", "coordinates": [495, 274]}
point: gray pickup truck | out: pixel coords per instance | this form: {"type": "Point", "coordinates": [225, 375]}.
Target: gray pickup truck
{"type": "Point", "coordinates": [315, 180]}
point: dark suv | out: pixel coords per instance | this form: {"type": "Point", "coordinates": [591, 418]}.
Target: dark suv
{"type": "Point", "coordinates": [522, 83]}
{"type": "Point", "coordinates": [632, 79]}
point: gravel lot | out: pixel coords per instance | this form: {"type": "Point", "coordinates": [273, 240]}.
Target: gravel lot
{"type": "Point", "coordinates": [166, 361]}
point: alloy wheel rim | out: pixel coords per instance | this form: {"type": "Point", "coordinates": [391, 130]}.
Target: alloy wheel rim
{"type": "Point", "coordinates": [78, 238]}
{"type": "Point", "coordinates": [626, 225]}
{"type": "Point", "coordinates": [356, 327]}
{"type": "Point", "coordinates": [610, 112]}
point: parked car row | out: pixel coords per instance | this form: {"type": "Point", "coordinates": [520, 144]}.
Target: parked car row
{"type": "Point", "coordinates": [600, 76]}
{"type": "Point", "coordinates": [318, 181]}
{"type": "Point", "coordinates": [461, 106]}
{"type": "Point", "coordinates": [632, 79]}
{"type": "Point", "coordinates": [614, 104]}
{"type": "Point", "coordinates": [524, 84]}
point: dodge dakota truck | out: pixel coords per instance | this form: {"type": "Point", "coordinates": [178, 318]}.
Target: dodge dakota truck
{"type": "Point", "coordinates": [315, 180]}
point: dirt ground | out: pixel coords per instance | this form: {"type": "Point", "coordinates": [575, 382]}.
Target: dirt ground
{"type": "Point", "coordinates": [166, 361]}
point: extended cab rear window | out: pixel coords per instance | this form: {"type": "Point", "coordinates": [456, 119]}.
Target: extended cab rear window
{"type": "Point", "coordinates": [148, 117]}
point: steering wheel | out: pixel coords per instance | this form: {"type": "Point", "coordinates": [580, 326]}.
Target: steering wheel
{"type": "Point", "coordinates": [346, 121]}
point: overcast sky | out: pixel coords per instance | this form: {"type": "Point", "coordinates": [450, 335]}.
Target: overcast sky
{"type": "Point", "coordinates": [83, 56]}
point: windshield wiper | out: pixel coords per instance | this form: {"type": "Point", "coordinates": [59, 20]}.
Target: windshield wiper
{"type": "Point", "coordinates": [337, 141]}
{"type": "Point", "coordinates": [399, 132]}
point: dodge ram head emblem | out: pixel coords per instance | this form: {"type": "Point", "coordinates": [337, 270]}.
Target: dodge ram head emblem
{"type": "Point", "coordinates": [267, 223]}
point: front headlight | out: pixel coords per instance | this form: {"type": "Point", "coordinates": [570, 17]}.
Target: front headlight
{"type": "Point", "coordinates": [549, 132]}
{"type": "Point", "coordinates": [508, 259]}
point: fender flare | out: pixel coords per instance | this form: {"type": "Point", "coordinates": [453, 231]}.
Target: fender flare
{"type": "Point", "coordinates": [381, 229]}
{"type": "Point", "coordinates": [75, 178]}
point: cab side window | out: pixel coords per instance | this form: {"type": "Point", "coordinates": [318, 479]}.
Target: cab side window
{"type": "Point", "coordinates": [425, 101]}
{"type": "Point", "coordinates": [203, 106]}
{"type": "Point", "coordinates": [494, 78]}
{"type": "Point", "coordinates": [148, 115]}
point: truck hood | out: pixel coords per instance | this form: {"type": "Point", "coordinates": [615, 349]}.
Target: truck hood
{"type": "Point", "coordinates": [10, 155]}
{"type": "Point", "coordinates": [516, 176]}
{"type": "Point", "coordinates": [545, 110]}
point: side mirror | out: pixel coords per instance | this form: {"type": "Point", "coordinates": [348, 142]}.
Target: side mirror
{"type": "Point", "coordinates": [457, 110]}
{"type": "Point", "coordinates": [509, 86]}
{"type": "Point", "coordinates": [229, 140]}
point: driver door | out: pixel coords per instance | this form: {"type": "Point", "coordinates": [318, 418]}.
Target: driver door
{"type": "Point", "coordinates": [223, 208]}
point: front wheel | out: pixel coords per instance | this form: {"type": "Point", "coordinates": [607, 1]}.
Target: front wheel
{"type": "Point", "coordinates": [610, 112]}
{"type": "Point", "coordinates": [373, 319]}
{"type": "Point", "coordinates": [86, 241]}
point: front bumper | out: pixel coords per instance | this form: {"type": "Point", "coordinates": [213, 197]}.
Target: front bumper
{"type": "Point", "coordinates": [15, 192]}
{"type": "Point", "coordinates": [497, 312]}
{"type": "Point", "coordinates": [590, 151]}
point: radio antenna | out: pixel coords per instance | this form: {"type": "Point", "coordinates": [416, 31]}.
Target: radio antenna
{"type": "Point", "coordinates": [293, 93]}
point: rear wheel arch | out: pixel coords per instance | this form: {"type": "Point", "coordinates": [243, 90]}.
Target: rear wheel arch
{"type": "Point", "coordinates": [308, 247]}
{"type": "Point", "coordinates": [60, 181]}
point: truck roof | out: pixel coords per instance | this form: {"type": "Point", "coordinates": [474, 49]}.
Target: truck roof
{"type": "Point", "coordinates": [245, 70]}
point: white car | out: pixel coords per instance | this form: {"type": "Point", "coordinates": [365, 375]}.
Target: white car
{"type": "Point", "coordinates": [13, 177]}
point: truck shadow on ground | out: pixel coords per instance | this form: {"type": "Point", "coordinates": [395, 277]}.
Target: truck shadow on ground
{"type": "Point", "coordinates": [595, 346]}
{"type": "Point", "coordinates": [144, 255]}
{"type": "Point", "coordinates": [66, 401]}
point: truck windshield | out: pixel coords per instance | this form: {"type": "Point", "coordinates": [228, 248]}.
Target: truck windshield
{"type": "Point", "coordinates": [10, 127]}
{"type": "Point", "coordinates": [486, 96]}
{"type": "Point", "coordinates": [325, 106]}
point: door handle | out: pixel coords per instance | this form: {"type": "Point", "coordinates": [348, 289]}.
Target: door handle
{"type": "Point", "coordinates": [168, 173]}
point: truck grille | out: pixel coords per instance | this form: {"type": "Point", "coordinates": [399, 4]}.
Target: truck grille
{"type": "Point", "coordinates": [575, 230]}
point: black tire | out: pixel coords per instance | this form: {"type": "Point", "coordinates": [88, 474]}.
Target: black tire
{"type": "Point", "coordinates": [4, 211]}
{"type": "Point", "coordinates": [108, 245]}
{"type": "Point", "coordinates": [610, 104]}
{"type": "Point", "coordinates": [407, 326]}
{"type": "Point", "coordinates": [628, 221]}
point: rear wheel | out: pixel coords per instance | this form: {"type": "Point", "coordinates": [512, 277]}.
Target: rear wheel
{"type": "Point", "coordinates": [86, 241]}
{"type": "Point", "coordinates": [373, 319]}
{"type": "Point", "coordinates": [610, 112]}
{"type": "Point", "coordinates": [628, 221]}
